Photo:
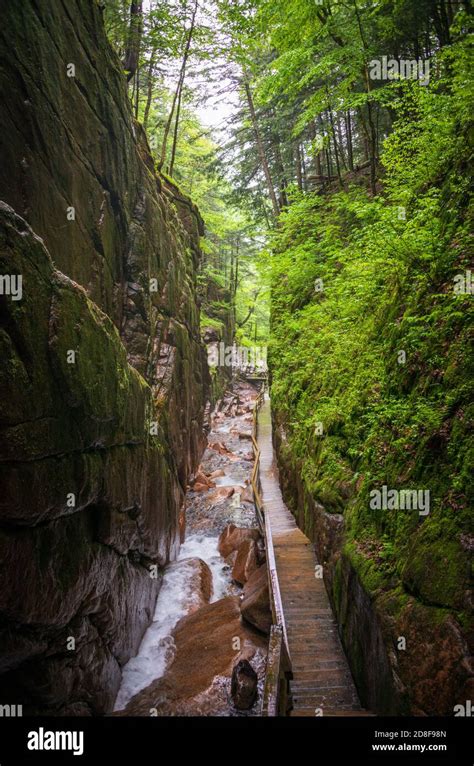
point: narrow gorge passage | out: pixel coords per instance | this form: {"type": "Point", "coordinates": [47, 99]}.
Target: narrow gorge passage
{"type": "Point", "coordinates": [220, 495]}
{"type": "Point", "coordinates": [236, 376]}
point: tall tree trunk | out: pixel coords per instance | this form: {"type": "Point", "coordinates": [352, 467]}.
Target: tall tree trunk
{"type": "Point", "coordinates": [303, 168]}
{"type": "Point", "coordinates": [180, 96]}
{"type": "Point", "coordinates": [137, 86]}
{"type": "Point", "coordinates": [317, 169]}
{"type": "Point", "coordinates": [231, 275]}
{"type": "Point", "coordinates": [149, 87]}
{"type": "Point", "coordinates": [132, 53]}
{"type": "Point", "coordinates": [236, 278]}
{"type": "Point", "coordinates": [167, 129]}
{"type": "Point", "coordinates": [372, 143]}
{"type": "Point", "coordinates": [441, 23]}
{"type": "Point", "coordinates": [261, 148]}
{"type": "Point", "coordinates": [177, 93]}
{"type": "Point", "coordinates": [176, 126]}
{"type": "Point", "coordinates": [328, 163]}
{"type": "Point", "coordinates": [371, 131]}
{"type": "Point", "coordinates": [282, 175]}
{"type": "Point", "coordinates": [299, 174]}
{"type": "Point", "coordinates": [350, 151]}
{"type": "Point", "coordinates": [336, 153]}
{"type": "Point", "coordinates": [340, 141]}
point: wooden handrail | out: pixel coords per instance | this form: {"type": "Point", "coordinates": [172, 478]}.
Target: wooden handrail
{"type": "Point", "coordinates": [277, 604]}
{"type": "Point", "coordinates": [275, 696]}
{"type": "Point", "coordinates": [254, 480]}
{"type": "Point", "coordinates": [271, 687]}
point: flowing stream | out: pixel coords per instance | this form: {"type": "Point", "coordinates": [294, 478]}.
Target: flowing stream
{"type": "Point", "coordinates": [208, 511]}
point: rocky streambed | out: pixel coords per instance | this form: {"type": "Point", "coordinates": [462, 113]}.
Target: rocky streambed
{"type": "Point", "coordinates": [205, 650]}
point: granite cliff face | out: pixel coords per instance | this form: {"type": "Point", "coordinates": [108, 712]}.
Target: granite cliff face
{"type": "Point", "coordinates": [104, 377]}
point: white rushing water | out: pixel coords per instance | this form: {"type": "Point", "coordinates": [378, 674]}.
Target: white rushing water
{"type": "Point", "coordinates": [175, 598]}
{"type": "Point", "coordinates": [228, 481]}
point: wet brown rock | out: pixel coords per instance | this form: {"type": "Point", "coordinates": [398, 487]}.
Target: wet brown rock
{"type": "Point", "coordinates": [230, 559]}
{"type": "Point", "coordinates": [222, 493]}
{"type": "Point", "coordinates": [198, 487]}
{"type": "Point", "coordinates": [201, 482]}
{"type": "Point", "coordinates": [223, 543]}
{"type": "Point", "coordinates": [255, 605]}
{"type": "Point", "coordinates": [182, 525]}
{"type": "Point", "coordinates": [232, 538]}
{"type": "Point", "coordinates": [244, 685]}
{"type": "Point", "coordinates": [245, 561]}
{"type": "Point", "coordinates": [220, 448]}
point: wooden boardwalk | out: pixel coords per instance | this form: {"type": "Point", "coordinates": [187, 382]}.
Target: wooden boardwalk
{"type": "Point", "coordinates": [322, 683]}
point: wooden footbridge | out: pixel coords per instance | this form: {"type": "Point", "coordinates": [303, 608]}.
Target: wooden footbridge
{"type": "Point", "coordinates": [307, 670]}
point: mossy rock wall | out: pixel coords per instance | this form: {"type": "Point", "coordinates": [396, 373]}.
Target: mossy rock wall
{"type": "Point", "coordinates": [121, 427]}
{"type": "Point", "coordinates": [407, 636]}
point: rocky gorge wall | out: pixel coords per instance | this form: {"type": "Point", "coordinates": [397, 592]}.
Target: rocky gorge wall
{"type": "Point", "coordinates": [104, 377]}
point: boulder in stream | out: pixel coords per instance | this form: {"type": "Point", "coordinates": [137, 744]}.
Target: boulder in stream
{"type": "Point", "coordinates": [245, 561]}
{"type": "Point", "coordinates": [255, 605]}
{"type": "Point", "coordinates": [202, 482]}
{"type": "Point", "coordinates": [244, 685]}
{"type": "Point", "coordinates": [233, 537]}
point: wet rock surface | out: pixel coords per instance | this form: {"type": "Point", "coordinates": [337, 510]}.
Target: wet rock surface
{"type": "Point", "coordinates": [246, 561]}
{"type": "Point", "coordinates": [233, 538]}
{"type": "Point", "coordinates": [244, 685]}
{"type": "Point", "coordinates": [255, 605]}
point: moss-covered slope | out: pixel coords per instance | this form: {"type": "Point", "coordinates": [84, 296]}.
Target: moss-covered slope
{"type": "Point", "coordinates": [371, 360]}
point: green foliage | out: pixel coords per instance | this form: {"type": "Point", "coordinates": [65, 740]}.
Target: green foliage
{"type": "Point", "coordinates": [387, 266]}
